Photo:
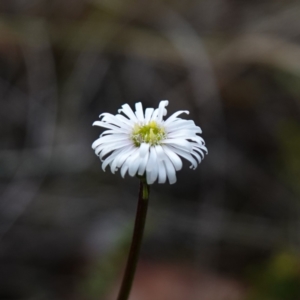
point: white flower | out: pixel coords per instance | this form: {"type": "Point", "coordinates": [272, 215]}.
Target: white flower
{"type": "Point", "coordinates": [146, 145]}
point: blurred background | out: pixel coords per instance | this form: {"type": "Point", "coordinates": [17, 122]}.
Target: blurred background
{"type": "Point", "coordinates": [229, 230]}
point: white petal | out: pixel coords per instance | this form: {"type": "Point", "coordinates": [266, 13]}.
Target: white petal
{"type": "Point", "coordinates": [183, 133]}
{"type": "Point", "coordinates": [195, 154]}
{"type": "Point", "coordinates": [124, 170]}
{"type": "Point", "coordinates": [192, 138]}
{"type": "Point", "coordinates": [110, 131]}
{"type": "Point", "coordinates": [148, 114]}
{"type": "Point", "coordinates": [182, 124]}
{"type": "Point", "coordinates": [117, 122]}
{"type": "Point", "coordinates": [114, 120]}
{"type": "Point", "coordinates": [115, 138]}
{"type": "Point", "coordinates": [179, 142]}
{"type": "Point", "coordinates": [109, 159]}
{"type": "Point", "coordinates": [174, 116]}
{"type": "Point", "coordinates": [143, 164]}
{"type": "Point", "coordinates": [139, 111]}
{"type": "Point", "coordinates": [101, 116]}
{"type": "Point", "coordinates": [152, 160]}
{"type": "Point", "coordinates": [129, 122]}
{"type": "Point", "coordinates": [126, 109]}
{"type": "Point", "coordinates": [134, 163]}
{"type": "Point", "coordinates": [160, 152]}
{"type": "Point", "coordinates": [151, 176]}
{"type": "Point", "coordinates": [171, 173]}
{"type": "Point", "coordinates": [110, 138]}
{"type": "Point", "coordinates": [96, 143]}
{"type": "Point", "coordinates": [154, 115]}
{"type": "Point", "coordinates": [198, 139]}
{"type": "Point", "coordinates": [162, 174]}
{"type": "Point", "coordinates": [203, 148]}
{"type": "Point", "coordinates": [187, 156]}
{"type": "Point", "coordinates": [144, 148]}
{"type": "Point", "coordinates": [104, 114]}
{"type": "Point", "coordinates": [105, 149]}
{"type": "Point", "coordinates": [110, 126]}
{"type": "Point", "coordinates": [169, 167]}
{"type": "Point", "coordinates": [182, 128]}
{"type": "Point", "coordinates": [154, 172]}
{"type": "Point", "coordinates": [162, 110]}
{"type": "Point", "coordinates": [200, 149]}
{"type": "Point", "coordinates": [113, 145]}
{"type": "Point", "coordinates": [174, 158]}
{"type": "Point", "coordinates": [123, 154]}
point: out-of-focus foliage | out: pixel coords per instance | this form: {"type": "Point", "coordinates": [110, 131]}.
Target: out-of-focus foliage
{"type": "Point", "coordinates": [99, 277]}
{"type": "Point", "coordinates": [279, 278]}
{"type": "Point", "coordinates": [289, 136]}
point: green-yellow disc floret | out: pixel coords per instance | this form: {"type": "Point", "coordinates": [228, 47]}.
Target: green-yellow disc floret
{"type": "Point", "coordinates": [150, 133]}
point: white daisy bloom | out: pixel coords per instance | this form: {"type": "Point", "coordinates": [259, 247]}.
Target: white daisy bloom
{"type": "Point", "coordinates": [146, 145]}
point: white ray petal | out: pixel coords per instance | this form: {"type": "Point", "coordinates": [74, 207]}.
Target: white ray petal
{"type": "Point", "coordinates": [124, 169]}
{"type": "Point", "coordinates": [134, 163]}
{"type": "Point", "coordinates": [139, 111]}
{"type": "Point", "coordinates": [174, 116]}
{"type": "Point", "coordinates": [115, 138]}
{"type": "Point", "coordinates": [122, 154]}
{"type": "Point", "coordinates": [143, 164]}
{"type": "Point", "coordinates": [187, 156]}
{"type": "Point", "coordinates": [126, 109]}
{"type": "Point", "coordinates": [174, 158]}
{"type": "Point", "coordinates": [196, 154]}
{"type": "Point", "coordinates": [171, 173]}
{"type": "Point", "coordinates": [96, 143]}
{"type": "Point", "coordinates": [148, 114]}
{"type": "Point", "coordinates": [110, 138]}
{"type": "Point", "coordinates": [111, 131]}
{"type": "Point", "coordinates": [109, 159]}
{"type": "Point", "coordinates": [110, 126]}
{"type": "Point", "coordinates": [116, 122]}
{"type": "Point", "coordinates": [155, 115]}
{"type": "Point", "coordinates": [182, 133]}
{"type": "Point", "coordinates": [152, 160]}
{"type": "Point", "coordinates": [162, 174]}
{"type": "Point", "coordinates": [128, 122]}
{"type": "Point", "coordinates": [105, 114]}
{"type": "Point", "coordinates": [160, 152]}
{"type": "Point", "coordinates": [151, 176]}
{"type": "Point", "coordinates": [162, 109]}
{"type": "Point", "coordinates": [179, 142]}
{"type": "Point", "coordinates": [105, 149]}
{"type": "Point", "coordinates": [181, 125]}
{"type": "Point", "coordinates": [201, 149]}
{"type": "Point", "coordinates": [144, 148]}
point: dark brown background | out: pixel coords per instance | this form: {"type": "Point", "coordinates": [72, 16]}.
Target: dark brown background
{"type": "Point", "coordinates": [230, 229]}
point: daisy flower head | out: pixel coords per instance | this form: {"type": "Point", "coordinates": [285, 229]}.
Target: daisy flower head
{"type": "Point", "coordinates": [143, 143]}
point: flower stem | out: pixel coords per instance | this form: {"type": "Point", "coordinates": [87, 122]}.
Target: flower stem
{"type": "Point", "coordinates": [136, 240]}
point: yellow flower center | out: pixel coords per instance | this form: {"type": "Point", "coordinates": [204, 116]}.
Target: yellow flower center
{"type": "Point", "coordinates": [151, 133]}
